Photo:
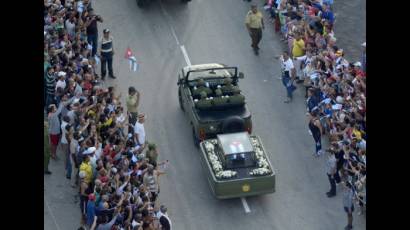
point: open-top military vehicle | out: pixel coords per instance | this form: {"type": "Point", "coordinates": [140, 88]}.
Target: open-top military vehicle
{"type": "Point", "coordinates": [210, 96]}
{"type": "Point", "coordinates": [237, 165]}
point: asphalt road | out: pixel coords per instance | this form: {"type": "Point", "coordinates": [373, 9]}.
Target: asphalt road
{"type": "Point", "coordinates": [210, 31]}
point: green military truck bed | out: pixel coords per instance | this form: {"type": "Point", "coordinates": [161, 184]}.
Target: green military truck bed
{"type": "Point", "coordinates": [236, 165]}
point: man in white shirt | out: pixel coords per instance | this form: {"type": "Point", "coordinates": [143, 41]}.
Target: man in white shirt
{"type": "Point", "coordinates": [164, 219]}
{"type": "Point", "coordinates": [61, 80]}
{"type": "Point", "coordinates": [288, 75]}
{"type": "Point", "coordinates": [139, 132]}
{"type": "Point", "coordinates": [64, 145]}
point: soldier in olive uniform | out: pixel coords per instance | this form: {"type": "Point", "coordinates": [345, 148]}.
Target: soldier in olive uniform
{"type": "Point", "coordinates": [201, 88]}
{"type": "Point", "coordinates": [228, 88]}
{"type": "Point", "coordinates": [219, 100]}
{"type": "Point", "coordinates": [203, 103]}
{"type": "Point", "coordinates": [237, 99]}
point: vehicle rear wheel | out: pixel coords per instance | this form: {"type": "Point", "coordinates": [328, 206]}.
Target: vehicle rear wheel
{"type": "Point", "coordinates": [196, 139]}
{"type": "Point", "coordinates": [233, 124]}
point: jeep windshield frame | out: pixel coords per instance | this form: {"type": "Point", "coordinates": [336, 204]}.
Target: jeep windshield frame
{"type": "Point", "coordinates": [220, 72]}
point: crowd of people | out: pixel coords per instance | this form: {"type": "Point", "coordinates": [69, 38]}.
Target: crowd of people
{"type": "Point", "coordinates": [335, 90]}
{"type": "Point", "coordinates": [104, 147]}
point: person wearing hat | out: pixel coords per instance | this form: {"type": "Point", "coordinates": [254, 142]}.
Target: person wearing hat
{"type": "Point", "coordinates": [201, 88]}
{"type": "Point", "coordinates": [228, 88]}
{"type": "Point", "coordinates": [106, 53]}
{"type": "Point", "coordinates": [219, 100]}
{"type": "Point", "coordinates": [139, 132]}
{"type": "Point", "coordinates": [237, 99]}
{"type": "Point", "coordinates": [204, 102]}
{"type": "Point", "coordinates": [132, 101]}
{"type": "Point", "coordinates": [86, 165]}
{"type": "Point", "coordinates": [254, 25]}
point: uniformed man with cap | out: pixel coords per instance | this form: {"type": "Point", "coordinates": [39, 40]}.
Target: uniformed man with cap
{"type": "Point", "coordinates": [106, 53]}
{"type": "Point", "coordinates": [204, 102]}
{"type": "Point", "coordinates": [237, 99]}
{"type": "Point", "coordinates": [228, 88]}
{"type": "Point", "coordinates": [201, 88]}
{"type": "Point", "coordinates": [219, 100]}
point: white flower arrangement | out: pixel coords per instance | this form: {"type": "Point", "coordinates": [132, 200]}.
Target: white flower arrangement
{"type": "Point", "coordinates": [262, 163]}
{"type": "Point", "coordinates": [260, 172]}
{"type": "Point", "coordinates": [226, 174]}
{"type": "Point", "coordinates": [216, 163]}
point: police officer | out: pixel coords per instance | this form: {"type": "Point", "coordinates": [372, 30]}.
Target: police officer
{"type": "Point", "coordinates": [106, 52]}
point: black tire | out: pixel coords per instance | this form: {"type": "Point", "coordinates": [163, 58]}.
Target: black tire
{"type": "Point", "coordinates": [185, 1]}
{"type": "Point", "coordinates": [180, 100]}
{"type": "Point", "coordinates": [196, 139]}
{"type": "Point", "coordinates": [233, 124]}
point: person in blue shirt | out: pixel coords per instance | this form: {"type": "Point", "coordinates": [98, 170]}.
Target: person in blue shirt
{"type": "Point", "coordinates": [90, 209]}
{"type": "Point", "coordinates": [327, 14]}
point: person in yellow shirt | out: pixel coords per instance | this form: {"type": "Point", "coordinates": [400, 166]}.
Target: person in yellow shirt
{"type": "Point", "coordinates": [86, 166]}
{"type": "Point", "coordinates": [132, 101]}
{"type": "Point", "coordinates": [254, 24]}
{"type": "Point", "coordinates": [298, 50]}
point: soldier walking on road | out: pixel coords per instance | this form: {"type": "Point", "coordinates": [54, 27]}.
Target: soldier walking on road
{"type": "Point", "coordinates": [107, 53]}
{"type": "Point", "coordinates": [254, 24]}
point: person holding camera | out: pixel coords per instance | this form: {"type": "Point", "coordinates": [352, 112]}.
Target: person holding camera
{"type": "Point", "coordinates": [92, 29]}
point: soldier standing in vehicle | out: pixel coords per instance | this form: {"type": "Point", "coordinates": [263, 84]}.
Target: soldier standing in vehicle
{"type": "Point", "coordinates": [254, 24]}
{"type": "Point", "coordinates": [107, 53]}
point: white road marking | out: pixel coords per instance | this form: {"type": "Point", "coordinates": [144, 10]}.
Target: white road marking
{"type": "Point", "coordinates": [52, 215]}
{"type": "Point", "coordinates": [245, 205]}
{"type": "Point", "coordinates": [188, 62]}
{"type": "Point", "coordinates": [265, 80]}
{"type": "Point", "coordinates": [169, 23]}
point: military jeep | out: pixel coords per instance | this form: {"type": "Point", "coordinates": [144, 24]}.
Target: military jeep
{"type": "Point", "coordinates": [210, 96]}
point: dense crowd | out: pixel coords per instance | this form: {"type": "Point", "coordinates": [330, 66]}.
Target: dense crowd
{"type": "Point", "coordinates": [104, 147]}
{"type": "Point", "coordinates": [335, 89]}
